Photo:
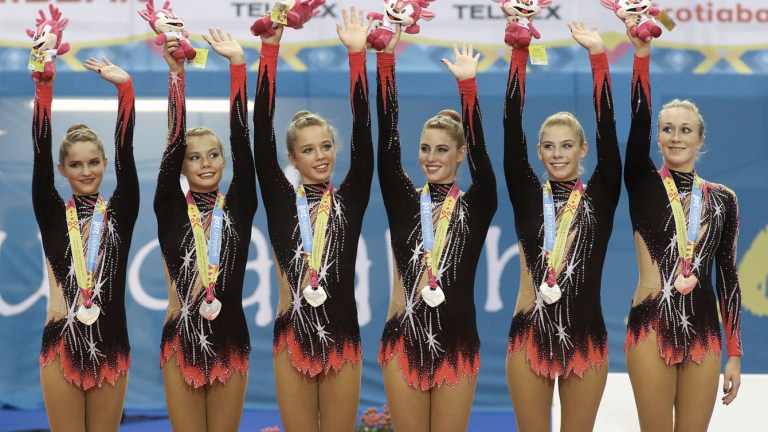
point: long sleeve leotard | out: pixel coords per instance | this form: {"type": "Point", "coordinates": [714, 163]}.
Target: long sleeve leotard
{"type": "Point", "coordinates": [89, 355]}
{"type": "Point", "coordinates": [686, 326]}
{"type": "Point", "coordinates": [439, 345]}
{"type": "Point", "coordinates": [320, 339]}
{"type": "Point", "coordinates": [569, 335]}
{"type": "Point", "coordinates": [206, 351]}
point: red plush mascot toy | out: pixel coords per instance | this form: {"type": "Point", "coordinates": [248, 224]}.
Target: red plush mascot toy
{"type": "Point", "coordinates": [404, 12]}
{"type": "Point", "coordinates": [47, 38]}
{"type": "Point", "coordinates": [639, 14]}
{"type": "Point", "coordinates": [165, 23]}
{"type": "Point", "coordinates": [299, 12]}
{"type": "Point", "coordinates": [520, 14]}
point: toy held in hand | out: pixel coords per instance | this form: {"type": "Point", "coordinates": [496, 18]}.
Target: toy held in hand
{"type": "Point", "coordinates": [299, 12]}
{"type": "Point", "coordinates": [520, 14]}
{"type": "Point", "coordinates": [639, 14]}
{"type": "Point", "coordinates": [166, 24]}
{"type": "Point", "coordinates": [47, 38]}
{"type": "Point", "coordinates": [407, 13]}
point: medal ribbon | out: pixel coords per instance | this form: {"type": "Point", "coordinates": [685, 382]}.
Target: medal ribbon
{"type": "Point", "coordinates": [85, 264]}
{"type": "Point", "coordinates": [434, 240]}
{"type": "Point", "coordinates": [207, 254]}
{"type": "Point", "coordinates": [554, 241]}
{"type": "Point", "coordinates": [686, 241]}
{"type": "Point", "coordinates": [308, 239]}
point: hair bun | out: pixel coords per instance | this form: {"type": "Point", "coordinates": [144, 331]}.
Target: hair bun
{"type": "Point", "coordinates": [450, 114]}
{"type": "Point", "coordinates": [77, 127]}
{"type": "Point", "coordinates": [300, 114]}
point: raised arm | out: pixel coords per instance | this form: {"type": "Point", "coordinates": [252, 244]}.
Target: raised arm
{"type": "Point", "coordinates": [45, 198]}
{"type": "Point", "coordinates": [243, 184]}
{"type": "Point", "coordinates": [271, 178]}
{"type": "Point", "coordinates": [360, 175]}
{"type": "Point", "coordinates": [395, 184]}
{"type": "Point", "coordinates": [729, 294]}
{"type": "Point", "coordinates": [521, 179]}
{"type": "Point", "coordinates": [126, 195]}
{"type": "Point", "coordinates": [638, 160]}
{"type": "Point", "coordinates": [464, 68]}
{"type": "Point", "coordinates": [168, 190]}
{"type": "Point", "coordinates": [607, 175]}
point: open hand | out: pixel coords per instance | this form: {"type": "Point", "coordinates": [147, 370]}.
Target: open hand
{"type": "Point", "coordinates": [465, 63]}
{"type": "Point", "coordinates": [110, 72]}
{"type": "Point", "coordinates": [355, 31]}
{"type": "Point", "coordinates": [586, 37]}
{"type": "Point", "coordinates": [225, 45]}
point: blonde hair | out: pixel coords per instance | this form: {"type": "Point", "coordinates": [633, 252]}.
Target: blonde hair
{"type": "Point", "coordinates": [686, 104]}
{"type": "Point", "coordinates": [79, 132]}
{"type": "Point", "coordinates": [564, 118]}
{"type": "Point", "coordinates": [449, 121]}
{"type": "Point", "coordinates": [204, 131]}
{"type": "Point", "coordinates": [303, 119]}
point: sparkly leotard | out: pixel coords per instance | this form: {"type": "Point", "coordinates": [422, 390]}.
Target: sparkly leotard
{"type": "Point", "coordinates": [89, 355]}
{"type": "Point", "coordinates": [568, 335]}
{"type": "Point", "coordinates": [322, 339]}
{"type": "Point", "coordinates": [433, 346]}
{"type": "Point", "coordinates": [686, 326]}
{"type": "Point", "coordinates": [206, 351]}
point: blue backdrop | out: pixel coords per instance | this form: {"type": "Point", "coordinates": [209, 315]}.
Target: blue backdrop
{"type": "Point", "coordinates": [733, 103]}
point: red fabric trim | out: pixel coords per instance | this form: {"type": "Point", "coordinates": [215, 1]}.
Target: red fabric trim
{"type": "Point", "coordinates": [697, 351]}
{"type": "Point", "coordinates": [640, 72]}
{"type": "Point", "coordinates": [85, 379]}
{"type": "Point", "coordinates": [313, 367]}
{"type": "Point", "coordinates": [732, 334]}
{"type": "Point", "coordinates": [237, 75]}
{"type": "Point", "coordinates": [444, 372]}
{"type": "Point", "coordinates": [600, 75]}
{"type": "Point", "coordinates": [357, 70]}
{"type": "Point", "coordinates": [195, 376]}
{"type": "Point", "coordinates": [385, 64]}
{"type": "Point", "coordinates": [268, 64]}
{"type": "Point", "coordinates": [519, 63]}
{"type": "Point", "coordinates": [125, 97]}
{"type": "Point", "coordinates": [539, 364]}
{"type": "Point", "coordinates": [468, 92]}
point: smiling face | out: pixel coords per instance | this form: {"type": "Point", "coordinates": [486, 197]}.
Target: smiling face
{"type": "Point", "coordinates": [524, 8]}
{"type": "Point", "coordinates": [634, 7]}
{"type": "Point", "coordinates": [313, 153]}
{"type": "Point", "coordinates": [167, 21]}
{"type": "Point", "coordinates": [561, 149]}
{"type": "Point", "coordinates": [203, 163]}
{"type": "Point", "coordinates": [45, 38]}
{"type": "Point", "coordinates": [680, 137]}
{"type": "Point", "coordinates": [440, 156]}
{"type": "Point", "coordinates": [83, 167]}
{"type": "Point", "coordinates": [401, 12]}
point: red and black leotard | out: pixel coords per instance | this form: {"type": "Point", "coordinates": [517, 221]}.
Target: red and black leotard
{"type": "Point", "coordinates": [320, 339]}
{"type": "Point", "coordinates": [434, 346]}
{"type": "Point", "coordinates": [686, 326]}
{"type": "Point", "coordinates": [89, 355]}
{"type": "Point", "coordinates": [569, 335]}
{"type": "Point", "coordinates": [206, 351]}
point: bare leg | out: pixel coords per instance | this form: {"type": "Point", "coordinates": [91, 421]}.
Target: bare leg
{"type": "Point", "coordinates": [224, 403]}
{"type": "Point", "coordinates": [186, 405]}
{"type": "Point", "coordinates": [696, 394]}
{"type": "Point", "coordinates": [339, 398]}
{"type": "Point", "coordinates": [64, 403]}
{"type": "Point", "coordinates": [580, 398]}
{"type": "Point", "coordinates": [409, 407]}
{"type": "Point", "coordinates": [104, 406]}
{"type": "Point", "coordinates": [450, 406]}
{"type": "Point", "coordinates": [531, 395]}
{"type": "Point", "coordinates": [297, 396]}
{"type": "Point", "coordinates": [654, 385]}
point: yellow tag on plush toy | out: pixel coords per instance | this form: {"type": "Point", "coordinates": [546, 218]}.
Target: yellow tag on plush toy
{"type": "Point", "coordinates": [201, 58]}
{"type": "Point", "coordinates": [280, 13]}
{"type": "Point", "coordinates": [538, 55]}
{"type": "Point", "coordinates": [666, 20]}
{"type": "Point", "coordinates": [36, 61]}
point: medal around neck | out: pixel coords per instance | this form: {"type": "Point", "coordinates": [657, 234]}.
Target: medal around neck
{"type": "Point", "coordinates": [433, 296]}
{"type": "Point", "coordinates": [686, 284]}
{"type": "Point", "coordinates": [88, 314]}
{"type": "Point", "coordinates": [210, 309]}
{"type": "Point", "coordinates": [550, 293]}
{"type": "Point", "coordinates": [315, 295]}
